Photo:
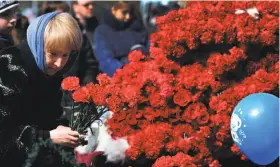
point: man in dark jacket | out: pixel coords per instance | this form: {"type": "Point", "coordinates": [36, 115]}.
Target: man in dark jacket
{"type": "Point", "coordinates": [7, 22]}
{"type": "Point", "coordinates": [117, 37]}
{"type": "Point", "coordinates": [83, 12]}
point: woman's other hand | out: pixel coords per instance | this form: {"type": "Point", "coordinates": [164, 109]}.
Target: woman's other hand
{"type": "Point", "coordinates": [64, 136]}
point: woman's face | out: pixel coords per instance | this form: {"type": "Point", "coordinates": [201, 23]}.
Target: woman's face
{"type": "Point", "coordinates": [121, 14]}
{"type": "Point", "coordinates": [56, 60]}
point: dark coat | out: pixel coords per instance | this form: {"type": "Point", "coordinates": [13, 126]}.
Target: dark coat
{"type": "Point", "coordinates": [29, 104]}
{"type": "Point", "coordinates": [114, 40]}
{"type": "Point", "coordinates": [86, 66]}
{"type": "Point", "coordinates": [4, 43]}
{"type": "Point", "coordinates": [89, 28]}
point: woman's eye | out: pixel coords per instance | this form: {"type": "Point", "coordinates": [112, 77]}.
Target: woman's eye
{"type": "Point", "coordinates": [53, 54]}
{"type": "Point", "coordinates": [65, 55]}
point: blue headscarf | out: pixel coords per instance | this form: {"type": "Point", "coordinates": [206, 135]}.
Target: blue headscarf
{"type": "Point", "coordinates": [35, 38]}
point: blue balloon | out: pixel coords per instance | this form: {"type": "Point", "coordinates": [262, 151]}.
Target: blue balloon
{"type": "Point", "coordinates": [255, 127]}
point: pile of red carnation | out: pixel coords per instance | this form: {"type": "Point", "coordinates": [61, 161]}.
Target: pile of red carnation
{"type": "Point", "coordinates": [175, 104]}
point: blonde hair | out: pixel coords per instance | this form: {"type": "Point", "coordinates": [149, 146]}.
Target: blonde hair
{"type": "Point", "coordinates": [62, 32]}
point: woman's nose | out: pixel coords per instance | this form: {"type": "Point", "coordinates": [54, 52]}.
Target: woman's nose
{"type": "Point", "coordinates": [59, 62]}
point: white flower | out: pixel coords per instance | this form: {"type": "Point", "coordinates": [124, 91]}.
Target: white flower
{"type": "Point", "coordinates": [251, 11]}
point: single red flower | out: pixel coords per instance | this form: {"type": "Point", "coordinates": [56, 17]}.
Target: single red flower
{"type": "Point", "coordinates": [81, 95]}
{"type": "Point", "coordinates": [70, 83]}
{"type": "Point", "coordinates": [103, 79]}
{"type": "Point", "coordinates": [192, 112]}
{"type": "Point", "coordinates": [203, 118]}
{"type": "Point", "coordinates": [182, 97]}
{"type": "Point", "coordinates": [131, 119]}
{"type": "Point", "coordinates": [215, 163]}
{"type": "Point", "coordinates": [234, 148]}
{"type": "Point", "coordinates": [220, 135]}
{"type": "Point", "coordinates": [135, 56]}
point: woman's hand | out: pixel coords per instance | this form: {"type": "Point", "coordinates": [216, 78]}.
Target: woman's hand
{"type": "Point", "coordinates": [64, 136]}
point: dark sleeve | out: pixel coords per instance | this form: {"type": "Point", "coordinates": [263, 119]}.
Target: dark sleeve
{"type": "Point", "coordinates": [105, 56]}
{"type": "Point", "coordinates": [146, 49]}
{"type": "Point", "coordinates": [88, 63]}
{"type": "Point", "coordinates": [16, 137]}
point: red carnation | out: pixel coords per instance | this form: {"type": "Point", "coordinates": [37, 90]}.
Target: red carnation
{"type": "Point", "coordinates": [182, 97]}
{"type": "Point", "coordinates": [70, 83]}
{"type": "Point", "coordinates": [191, 112]}
{"type": "Point", "coordinates": [103, 79]}
{"type": "Point", "coordinates": [135, 56]}
{"type": "Point", "coordinates": [215, 163]}
{"type": "Point", "coordinates": [203, 117]}
{"type": "Point", "coordinates": [131, 119]}
{"type": "Point", "coordinates": [81, 95]}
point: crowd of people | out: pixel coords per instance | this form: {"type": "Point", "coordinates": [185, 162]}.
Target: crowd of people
{"type": "Point", "coordinates": [64, 40]}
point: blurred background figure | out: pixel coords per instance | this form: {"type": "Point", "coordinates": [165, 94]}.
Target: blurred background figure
{"type": "Point", "coordinates": [150, 9]}
{"type": "Point", "coordinates": [50, 6]}
{"type": "Point", "coordinates": [83, 11]}
{"type": "Point", "coordinates": [7, 22]}
{"type": "Point", "coordinates": [19, 32]}
{"type": "Point", "coordinates": [120, 33]}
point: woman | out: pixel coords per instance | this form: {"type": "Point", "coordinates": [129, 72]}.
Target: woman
{"type": "Point", "coordinates": [120, 34]}
{"type": "Point", "coordinates": [30, 78]}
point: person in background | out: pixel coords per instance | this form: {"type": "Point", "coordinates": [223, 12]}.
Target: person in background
{"type": "Point", "coordinates": [87, 66]}
{"type": "Point", "coordinates": [83, 12]}
{"type": "Point", "coordinates": [30, 95]}
{"type": "Point", "coordinates": [121, 33]}
{"type": "Point", "coordinates": [50, 6]}
{"type": "Point", "coordinates": [19, 32]}
{"type": "Point", "coordinates": [150, 9]}
{"type": "Point", "coordinates": [7, 22]}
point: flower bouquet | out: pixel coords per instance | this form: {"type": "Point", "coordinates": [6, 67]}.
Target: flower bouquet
{"type": "Point", "coordinates": [84, 112]}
